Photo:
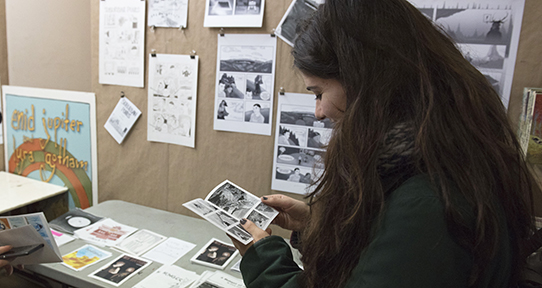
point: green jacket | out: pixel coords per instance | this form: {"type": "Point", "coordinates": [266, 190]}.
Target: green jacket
{"type": "Point", "coordinates": [411, 248]}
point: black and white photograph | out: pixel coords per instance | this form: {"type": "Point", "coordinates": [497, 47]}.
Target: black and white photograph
{"type": "Point", "coordinates": [257, 112]}
{"type": "Point", "coordinates": [296, 13]}
{"type": "Point", "coordinates": [241, 58]}
{"type": "Point", "coordinates": [240, 233]}
{"type": "Point", "coordinates": [476, 26]}
{"type": "Point", "coordinates": [248, 7]}
{"type": "Point", "coordinates": [233, 200]}
{"type": "Point", "coordinates": [216, 254]}
{"type": "Point", "coordinates": [230, 110]}
{"type": "Point", "coordinates": [304, 116]}
{"type": "Point", "coordinates": [259, 219]}
{"type": "Point", "coordinates": [200, 206]}
{"type": "Point", "coordinates": [221, 219]}
{"type": "Point", "coordinates": [120, 269]}
{"type": "Point", "coordinates": [266, 210]}
{"type": "Point", "coordinates": [484, 56]}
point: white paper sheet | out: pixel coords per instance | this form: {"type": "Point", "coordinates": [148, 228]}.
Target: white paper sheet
{"type": "Point", "coordinates": [168, 13]}
{"type": "Point", "coordinates": [140, 242]}
{"type": "Point", "coordinates": [245, 74]}
{"type": "Point", "coordinates": [122, 119]}
{"type": "Point", "coordinates": [122, 38]}
{"type": "Point", "coordinates": [168, 276]}
{"type": "Point", "coordinates": [487, 33]}
{"type": "Point", "coordinates": [172, 97]}
{"type": "Point", "coordinates": [61, 238]}
{"type": "Point", "coordinates": [234, 13]}
{"type": "Point", "coordinates": [169, 251]}
{"type": "Point", "coordinates": [299, 141]}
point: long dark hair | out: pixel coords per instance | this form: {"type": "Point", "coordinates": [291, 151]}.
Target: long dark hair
{"type": "Point", "coordinates": [397, 67]}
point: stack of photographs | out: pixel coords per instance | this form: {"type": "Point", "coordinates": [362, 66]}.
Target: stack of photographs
{"type": "Point", "coordinates": [227, 204]}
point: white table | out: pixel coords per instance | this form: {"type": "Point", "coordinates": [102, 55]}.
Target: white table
{"type": "Point", "coordinates": [18, 191]}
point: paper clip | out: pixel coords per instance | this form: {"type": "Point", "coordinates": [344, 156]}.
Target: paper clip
{"type": "Point", "coordinates": [281, 91]}
{"type": "Point", "coordinates": [222, 32]}
{"type": "Point", "coordinates": [153, 53]}
{"type": "Point", "coordinates": [193, 54]}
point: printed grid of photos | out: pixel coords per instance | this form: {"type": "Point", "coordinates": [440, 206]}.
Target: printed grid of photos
{"type": "Point", "coordinates": [245, 82]}
{"type": "Point", "coordinates": [301, 144]}
{"type": "Point", "coordinates": [227, 205]}
{"type": "Point", "coordinates": [483, 34]}
{"type": "Point", "coordinates": [234, 7]}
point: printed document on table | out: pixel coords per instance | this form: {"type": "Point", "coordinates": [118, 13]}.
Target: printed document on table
{"type": "Point", "coordinates": [169, 251]}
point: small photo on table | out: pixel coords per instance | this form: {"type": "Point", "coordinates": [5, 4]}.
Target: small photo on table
{"type": "Point", "coordinates": [120, 269]}
{"type": "Point", "coordinates": [215, 254]}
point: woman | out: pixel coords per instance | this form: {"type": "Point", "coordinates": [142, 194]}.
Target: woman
{"type": "Point", "coordinates": [424, 185]}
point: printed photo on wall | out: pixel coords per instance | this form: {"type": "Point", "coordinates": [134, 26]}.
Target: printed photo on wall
{"type": "Point", "coordinates": [122, 38]}
{"type": "Point", "coordinates": [172, 96]}
{"type": "Point", "coordinates": [300, 141]}
{"type": "Point", "coordinates": [234, 13]}
{"type": "Point", "coordinates": [486, 33]}
{"type": "Point", "coordinates": [244, 83]}
{"type": "Point", "coordinates": [297, 11]}
{"type": "Point", "coordinates": [168, 13]}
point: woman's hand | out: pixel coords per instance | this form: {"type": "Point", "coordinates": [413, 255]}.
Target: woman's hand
{"type": "Point", "coordinates": [5, 262]}
{"type": "Point", "coordinates": [256, 233]}
{"type": "Point", "coordinates": [293, 214]}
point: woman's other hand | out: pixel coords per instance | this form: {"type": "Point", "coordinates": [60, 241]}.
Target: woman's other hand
{"type": "Point", "coordinates": [293, 214]}
{"type": "Point", "coordinates": [5, 262]}
{"type": "Point", "coordinates": [256, 233]}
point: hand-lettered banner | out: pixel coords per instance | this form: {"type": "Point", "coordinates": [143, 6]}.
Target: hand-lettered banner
{"type": "Point", "coordinates": [50, 135]}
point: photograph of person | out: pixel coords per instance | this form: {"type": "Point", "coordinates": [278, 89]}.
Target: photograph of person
{"type": "Point", "coordinates": [425, 183]}
{"type": "Point", "coordinates": [120, 269]}
{"type": "Point", "coordinates": [215, 254]}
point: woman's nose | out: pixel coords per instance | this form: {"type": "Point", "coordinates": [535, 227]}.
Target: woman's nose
{"type": "Point", "coordinates": [318, 111]}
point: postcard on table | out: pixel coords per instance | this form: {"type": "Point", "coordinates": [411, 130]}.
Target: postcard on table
{"type": "Point", "coordinates": [227, 204]}
{"type": "Point", "coordinates": [168, 276]}
{"type": "Point", "coordinates": [106, 232]}
{"type": "Point", "coordinates": [84, 257]}
{"type": "Point", "coordinates": [121, 269]}
{"type": "Point", "coordinates": [140, 242]}
{"type": "Point", "coordinates": [73, 220]}
{"type": "Point", "coordinates": [215, 254]}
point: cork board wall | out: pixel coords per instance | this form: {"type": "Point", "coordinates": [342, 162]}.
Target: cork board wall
{"type": "Point", "coordinates": [164, 176]}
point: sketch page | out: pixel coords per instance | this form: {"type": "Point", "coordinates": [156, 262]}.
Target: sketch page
{"type": "Point", "coordinates": [122, 38]}
{"type": "Point", "coordinates": [172, 96]}
{"type": "Point", "coordinates": [168, 276]}
{"type": "Point", "coordinates": [486, 32]}
{"type": "Point", "coordinates": [168, 13]}
{"type": "Point", "coordinates": [297, 11]}
{"type": "Point", "coordinates": [245, 74]}
{"type": "Point", "coordinates": [234, 13]}
{"type": "Point", "coordinates": [299, 143]}
{"type": "Point", "coordinates": [227, 204]}
{"type": "Point", "coordinates": [122, 119]}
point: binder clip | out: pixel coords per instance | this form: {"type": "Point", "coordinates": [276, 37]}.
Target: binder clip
{"type": "Point", "coordinates": [222, 32]}
{"type": "Point", "coordinates": [273, 32]}
{"type": "Point", "coordinates": [152, 28]}
{"type": "Point", "coordinates": [193, 54]}
{"type": "Point", "coordinates": [153, 53]}
{"type": "Point", "coordinates": [121, 94]}
{"type": "Point", "coordinates": [281, 91]}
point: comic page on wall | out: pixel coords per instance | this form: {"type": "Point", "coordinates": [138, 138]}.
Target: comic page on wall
{"type": "Point", "coordinates": [168, 13]}
{"type": "Point", "coordinates": [122, 38]}
{"type": "Point", "coordinates": [486, 32]}
{"type": "Point", "coordinates": [50, 136]}
{"type": "Point", "coordinates": [245, 75]}
{"type": "Point", "coordinates": [172, 95]}
{"type": "Point", "coordinates": [300, 141]}
{"type": "Point", "coordinates": [233, 13]}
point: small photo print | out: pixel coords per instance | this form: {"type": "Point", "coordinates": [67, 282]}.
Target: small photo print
{"type": "Point", "coordinates": [241, 233]}
{"type": "Point", "coordinates": [200, 206]}
{"type": "Point", "coordinates": [215, 254]}
{"type": "Point", "coordinates": [120, 269]}
{"type": "Point", "coordinates": [257, 112]}
{"type": "Point", "coordinates": [233, 200]}
{"type": "Point", "coordinates": [221, 219]}
{"type": "Point", "coordinates": [259, 219]}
